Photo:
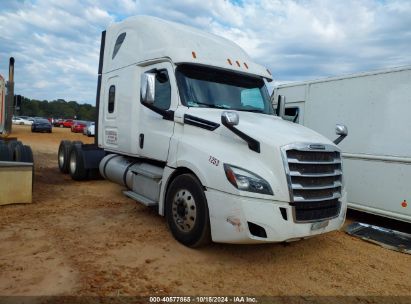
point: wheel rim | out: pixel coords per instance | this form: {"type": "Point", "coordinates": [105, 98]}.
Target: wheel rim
{"type": "Point", "coordinates": [61, 158]}
{"type": "Point", "coordinates": [73, 163]}
{"type": "Point", "coordinates": [184, 210]}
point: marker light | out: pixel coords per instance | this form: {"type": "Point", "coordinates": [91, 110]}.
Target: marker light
{"type": "Point", "coordinates": [194, 54]}
{"type": "Point", "coordinates": [229, 61]}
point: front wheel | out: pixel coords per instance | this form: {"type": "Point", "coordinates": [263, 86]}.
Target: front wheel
{"type": "Point", "coordinates": [77, 169]}
{"type": "Point", "coordinates": [187, 211]}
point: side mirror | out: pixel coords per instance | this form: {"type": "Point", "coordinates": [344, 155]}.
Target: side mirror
{"type": "Point", "coordinates": [280, 106]}
{"type": "Point", "coordinates": [229, 118]}
{"type": "Point", "coordinates": [147, 87]}
{"type": "Point", "coordinates": [342, 131]}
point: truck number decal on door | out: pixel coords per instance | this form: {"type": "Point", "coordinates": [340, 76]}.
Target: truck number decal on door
{"type": "Point", "coordinates": [214, 161]}
{"type": "Point", "coordinates": [111, 137]}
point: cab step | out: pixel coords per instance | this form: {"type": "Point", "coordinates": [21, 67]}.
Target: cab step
{"type": "Point", "coordinates": [141, 199]}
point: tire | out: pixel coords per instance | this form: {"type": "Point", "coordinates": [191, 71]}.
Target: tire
{"type": "Point", "coordinates": [12, 148]}
{"type": "Point", "coordinates": [23, 154]}
{"type": "Point", "coordinates": [187, 211]}
{"type": "Point", "coordinates": [63, 156]}
{"type": "Point", "coordinates": [76, 163]}
{"type": "Point", "coordinates": [5, 154]}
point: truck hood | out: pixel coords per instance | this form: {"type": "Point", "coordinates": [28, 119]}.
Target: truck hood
{"type": "Point", "coordinates": [220, 146]}
{"type": "Point", "coordinates": [267, 129]}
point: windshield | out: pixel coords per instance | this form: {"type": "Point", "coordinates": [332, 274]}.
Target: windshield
{"type": "Point", "coordinates": [207, 87]}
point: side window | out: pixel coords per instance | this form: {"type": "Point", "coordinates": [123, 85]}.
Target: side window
{"type": "Point", "coordinates": [292, 114]}
{"type": "Point", "coordinates": [119, 42]}
{"type": "Point", "coordinates": [111, 98]}
{"type": "Point", "coordinates": [162, 98]}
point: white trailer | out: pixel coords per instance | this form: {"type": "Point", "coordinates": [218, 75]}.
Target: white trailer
{"type": "Point", "coordinates": [177, 113]}
{"type": "Point", "coordinates": [376, 107]}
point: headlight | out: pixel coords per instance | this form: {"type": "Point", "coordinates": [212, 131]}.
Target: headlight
{"type": "Point", "coordinates": [246, 181]}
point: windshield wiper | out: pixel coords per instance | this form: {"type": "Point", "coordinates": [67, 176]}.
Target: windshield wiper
{"type": "Point", "coordinates": [249, 110]}
{"type": "Point", "coordinates": [210, 105]}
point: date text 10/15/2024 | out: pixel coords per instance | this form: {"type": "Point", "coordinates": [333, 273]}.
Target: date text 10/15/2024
{"type": "Point", "coordinates": [205, 299]}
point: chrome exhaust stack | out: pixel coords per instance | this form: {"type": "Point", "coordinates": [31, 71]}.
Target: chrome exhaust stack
{"type": "Point", "coordinates": [8, 106]}
{"type": "Point", "coordinates": [11, 70]}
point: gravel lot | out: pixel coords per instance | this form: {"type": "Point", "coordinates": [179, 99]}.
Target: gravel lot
{"type": "Point", "coordinates": [86, 238]}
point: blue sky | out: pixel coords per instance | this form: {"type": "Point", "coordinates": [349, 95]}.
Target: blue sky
{"type": "Point", "coordinates": [56, 43]}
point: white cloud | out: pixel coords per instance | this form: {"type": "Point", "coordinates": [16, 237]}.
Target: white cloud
{"type": "Point", "coordinates": [56, 43]}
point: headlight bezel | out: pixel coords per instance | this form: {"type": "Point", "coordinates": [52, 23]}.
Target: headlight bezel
{"type": "Point", "coordinates": [249, 182]}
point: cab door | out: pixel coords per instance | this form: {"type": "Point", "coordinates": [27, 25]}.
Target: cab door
{"type": "Point", "coordinates": [156, 131]}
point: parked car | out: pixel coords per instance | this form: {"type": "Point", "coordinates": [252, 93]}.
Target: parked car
{"type": "Point", "coordinates": [78, 126]}
{"type": "Point", "coordinates": [41, 125]}
{"type": "Point", "coordinates": [90, 130]}
{"type": "Point", "coordinates": [21, 121]}
{"type": "Point", "coordinates": [58, 122]}
{"type": "Point", "coordinates": [67, 123]}
{"type": "Point", "coordinates": [88, 124]}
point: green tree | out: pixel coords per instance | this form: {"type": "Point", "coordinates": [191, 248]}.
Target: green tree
{"type": "Point", "coordinates": [57, 109]}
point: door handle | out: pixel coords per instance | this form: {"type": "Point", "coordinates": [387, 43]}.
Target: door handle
{"type": "Point", "coordinates": [141, 141]}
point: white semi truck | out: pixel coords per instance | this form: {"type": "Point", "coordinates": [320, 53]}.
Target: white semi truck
{"type": "Point", "coordinates": [376, 108]}
{"type": "Point", "coordinates": [185, 123]}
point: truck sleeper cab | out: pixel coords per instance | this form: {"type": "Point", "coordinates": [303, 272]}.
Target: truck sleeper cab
{"type": "Point", "coordinates": [186, 125]}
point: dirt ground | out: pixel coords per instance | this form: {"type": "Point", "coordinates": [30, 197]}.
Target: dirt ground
{"type": "Point", "coordinates": [86, 238]}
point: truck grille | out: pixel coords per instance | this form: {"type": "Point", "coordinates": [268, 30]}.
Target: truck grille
{"type": "Point", "coordinates": [315, 180]}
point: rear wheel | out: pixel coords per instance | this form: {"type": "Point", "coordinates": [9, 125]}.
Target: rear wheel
{"type": "Point", "coordinates": [63, 155]}
{"type": "Point", "coordinates": [76, 163]}
{"type": "Point", "coordinates": [12, 148]}
{"type": "Point", "coordinates": [187, 211]}
{"type": "Point", "coordinates": [5, 154]}
{"type": "Point", "coordinates": [23, 154]}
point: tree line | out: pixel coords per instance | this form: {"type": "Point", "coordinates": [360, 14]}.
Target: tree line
{"type": "Point", "coordinates": [56, 109]}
